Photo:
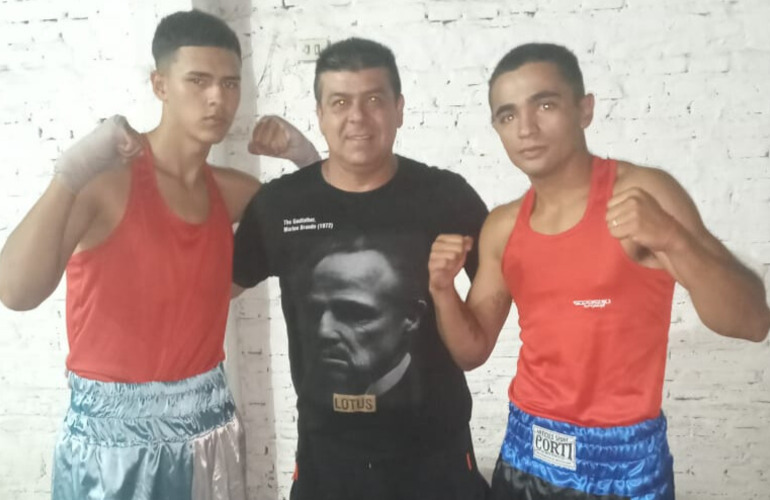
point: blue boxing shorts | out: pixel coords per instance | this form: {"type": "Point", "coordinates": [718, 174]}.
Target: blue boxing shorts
{"type": "Point", "coordinates": [152, 441]}
{"type": "Point", "coordinates": [547, 459]}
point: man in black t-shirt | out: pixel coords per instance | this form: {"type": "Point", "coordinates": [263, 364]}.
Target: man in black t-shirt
{"type": "Point", "coordinates": [383, 408]}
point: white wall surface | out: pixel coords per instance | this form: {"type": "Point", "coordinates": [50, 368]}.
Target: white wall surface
{"type": "Point", "coordinates": [680, 85]}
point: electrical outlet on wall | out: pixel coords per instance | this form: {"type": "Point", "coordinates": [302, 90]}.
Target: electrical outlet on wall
{"type": "Point", "coordinates": [310, 48]}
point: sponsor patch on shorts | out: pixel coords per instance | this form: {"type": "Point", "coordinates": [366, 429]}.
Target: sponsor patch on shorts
{"type": "Point", "coordinates": [554, 448]}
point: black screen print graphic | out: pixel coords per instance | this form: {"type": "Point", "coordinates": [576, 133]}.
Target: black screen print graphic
{"type": "Point", "coordinates": [360, 300]}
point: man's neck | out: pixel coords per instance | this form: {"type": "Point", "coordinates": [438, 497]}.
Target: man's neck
{"type": "Point", "coordinates": [561, 187]}
{"type": "Point", "coordinates": [359, 178]}
{"type": "Point", "coordinates": [176, 154]}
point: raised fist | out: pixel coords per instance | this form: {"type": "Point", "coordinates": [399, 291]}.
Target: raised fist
{"type": "Point", "coordinates": [110, 145]}
{"type": "Point", "coordinates": [447, 257]}
{"type": "Point", "coordinates": [274, 136]}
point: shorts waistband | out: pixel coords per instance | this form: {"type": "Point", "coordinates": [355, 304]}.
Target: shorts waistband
{"type": "Point", "coordinates": [600, 460]}
{"type": "Point", "coordinates": [631, 442]}
{"type": "Point", "coordinates": [123, 413]}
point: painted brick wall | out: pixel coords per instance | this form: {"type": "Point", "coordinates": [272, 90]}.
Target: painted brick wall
{"type": "Point", "coordinates": [680, 85]}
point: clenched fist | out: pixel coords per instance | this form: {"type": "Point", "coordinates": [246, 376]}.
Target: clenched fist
{"type": "Point", "coordinates": [110, 145]}
{"type": "Point", "coordinates": [274, 136]}
{"type": "Point", "coordinates": [447, 257]}
{"type": "Point", "coordinates": [637, 215]}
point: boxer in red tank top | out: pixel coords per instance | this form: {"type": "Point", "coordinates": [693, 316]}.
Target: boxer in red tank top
{"type": "Point", "coordinates": [143, 227]}
{"type": "Point", "coordinates": [589, 256]}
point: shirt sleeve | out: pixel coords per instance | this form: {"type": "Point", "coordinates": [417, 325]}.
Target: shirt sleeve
{"type": "Point", "coordinates": [471, 211]}
{"type": "Point", "coordinates": [250, 263]}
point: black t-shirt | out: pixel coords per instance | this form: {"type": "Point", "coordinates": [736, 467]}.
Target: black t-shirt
{"type": "Point", "coordinates": [367, 362]}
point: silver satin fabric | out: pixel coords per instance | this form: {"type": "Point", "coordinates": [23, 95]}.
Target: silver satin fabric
{"type": "Point", "coordinates": [219, 465]}
{"type": "Point", "coordinates": [155, 441]}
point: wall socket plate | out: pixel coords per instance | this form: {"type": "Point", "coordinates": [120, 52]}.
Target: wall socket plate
{"type": "Point", "coordinates": [310, 48]}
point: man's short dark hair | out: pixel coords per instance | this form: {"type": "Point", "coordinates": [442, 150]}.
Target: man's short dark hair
{"type": "Point", "coordinates": [558, 55]}
{"type": "Point", "coordinates": [356, 54]}
{"type": "Point", "coordinates": [192, 28]}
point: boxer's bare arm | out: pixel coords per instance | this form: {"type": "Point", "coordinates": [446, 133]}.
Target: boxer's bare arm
{"type": "Point", "coordinates": [35, 254]}
{"type": "Point", "coordinates": [470, 329]}
{"type": "Point", "coordinates": [652, 211]}
{"type": "Point", "coordinates": [276, 137]}
{"type": "Point", "coordinates": [272, 136]}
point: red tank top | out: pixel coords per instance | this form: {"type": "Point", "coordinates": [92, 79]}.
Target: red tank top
{"type": "Point", "coordinates": [151, 302]}
{"type": "Point", "coordinates": [594, 323]}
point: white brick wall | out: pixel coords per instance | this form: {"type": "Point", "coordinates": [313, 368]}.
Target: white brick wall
{"type": "Point", "coordinates": [680, 85]}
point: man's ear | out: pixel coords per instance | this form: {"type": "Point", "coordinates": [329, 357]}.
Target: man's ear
{"type": "Point", "coordinates": [586, 110]}
{"type": "Point", "coordinates": [158, 80]}
{"type": "Point", "coordinates": [415, 314]}
{"type": "Point", "coordinates": [400, 109]}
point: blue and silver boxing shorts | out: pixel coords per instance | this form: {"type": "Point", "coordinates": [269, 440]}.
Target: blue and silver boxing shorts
{"type": "Point", "coordinates": [547, 459]}
{"type": "Point", "coordinates": [152, 441]}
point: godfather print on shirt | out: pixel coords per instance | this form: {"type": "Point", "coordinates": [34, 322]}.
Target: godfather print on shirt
{"type": "Point", "coordinates": [359, 302]}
